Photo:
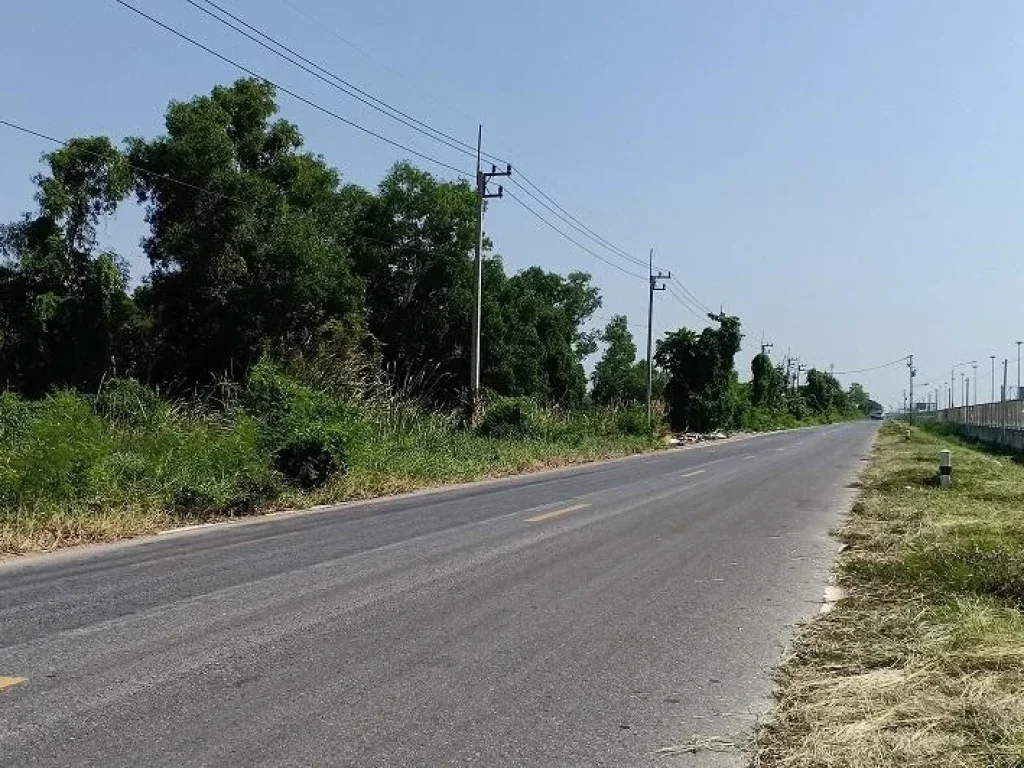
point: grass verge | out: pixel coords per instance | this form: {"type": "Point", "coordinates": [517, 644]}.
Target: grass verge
{"type": "Point", "coordinates": [76, 469]}
{"type": "Point", "coordinates": [923, 663]}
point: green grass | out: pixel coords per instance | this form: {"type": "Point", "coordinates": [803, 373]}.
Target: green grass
{"type": "Point", "coordinates": [923, 663]}
{"type": "Point", "coordinates": [77, 469]}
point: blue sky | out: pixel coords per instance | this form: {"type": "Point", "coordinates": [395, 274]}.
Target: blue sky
{"type": "Point", "coordinates": [845, 177]}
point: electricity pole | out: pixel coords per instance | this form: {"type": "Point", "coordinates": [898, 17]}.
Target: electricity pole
{"type": "Point", "coordinates": [654, 286]}
{"type": "Point", "coordinates": [478, 269]}
{"type": "Point", "coordinates": [913, 373]}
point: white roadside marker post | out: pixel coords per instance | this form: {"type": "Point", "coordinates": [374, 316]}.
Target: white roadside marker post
{"type": "Point", "coordinates": [945, 470]}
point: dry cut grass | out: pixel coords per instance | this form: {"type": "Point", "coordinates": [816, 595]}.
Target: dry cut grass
{"type": "Point", "coordinates": [923, 663]}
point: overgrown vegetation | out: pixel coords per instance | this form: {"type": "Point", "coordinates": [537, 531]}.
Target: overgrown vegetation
{"type": "Point", "coordinates": [76, 468]}
{"type": "Point", "coordinates": [131, 408]}
{"type": "Point", "coordinates": [923, 664]}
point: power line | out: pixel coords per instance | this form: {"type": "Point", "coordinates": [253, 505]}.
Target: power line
{"type": "Point", "coordinates": [579, 245]}
{"type": "Point", "coordinates": [323, 26]}
{"type": "Point", "coordinates": [872, 368]}
{"type": "Point", "coordinates": [333, 79]}
{"type": "Point", "coordinates": [579, 225]}
{"type": "Point", "coordinates": [579, 228]}
{"type": "Point", "coordinates": [684, 303]}
{"type": "Point", "coordinates": [292, 93]}
{"type": "Point", "coordinates": [164, 176]}
{"type": "Point", "coordinates": [693, 297]}
{"type": "Point", "coordinates": [452, 142]}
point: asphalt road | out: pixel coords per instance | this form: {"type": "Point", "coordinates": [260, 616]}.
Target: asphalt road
{"type": "Point", "coordinates": [584, 617]}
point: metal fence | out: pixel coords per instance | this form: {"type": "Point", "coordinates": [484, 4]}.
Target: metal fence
{"type": "Point", "coordinates": [1000, 424]}
{"type": "Point", "coordinates": [1007, 415]}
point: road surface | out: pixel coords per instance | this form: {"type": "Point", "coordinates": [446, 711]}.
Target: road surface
{"type": "Point", "coordinates": [591, 616]}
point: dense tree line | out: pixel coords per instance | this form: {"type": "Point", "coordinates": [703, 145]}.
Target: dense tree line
{"type": "Point", "coordinates": [258, 249]}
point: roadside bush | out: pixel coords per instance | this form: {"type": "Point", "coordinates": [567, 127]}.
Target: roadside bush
{"type": "Point", "coordinates": [59, 454]}
{"type": "Point", "coordinates": [633, 422]}
{"type": "Point", "coordinates": [14, 416]}
{"type": "Point", "coordinates": [205, 467]}
{"type": "Point", "coordinates": [305, 431]}
{"type": "Point", "coordinates": [309, 459]}
{"type": "Point", "coordinates": [128, 403]}
{"type": "Point", "coordinates": [509, 418]}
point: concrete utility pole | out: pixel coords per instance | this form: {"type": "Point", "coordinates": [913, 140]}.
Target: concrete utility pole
{"type": "Point", "coordinates": [963, 388]}
{"type": "Point", "coordinates": [654, 286]}
{"type": "Point", "coordinates": [1006, 364]}
{"type": "Point", "coordinates": [913, 373]}
{"type": "Point", "coordinates": [482, 195]}
{"type": "Point", "coordinates": [976, 387]}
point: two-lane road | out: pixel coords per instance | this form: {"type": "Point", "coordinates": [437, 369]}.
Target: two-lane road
{"type": "Point", "coordinates": [584, 617]}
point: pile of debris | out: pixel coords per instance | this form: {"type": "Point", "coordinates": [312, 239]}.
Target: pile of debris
{"type": "Point", "coordinates": [690, 438]}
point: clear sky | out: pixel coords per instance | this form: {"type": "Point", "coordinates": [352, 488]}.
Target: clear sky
{"type": "Point", "coordinates": [845, 177]}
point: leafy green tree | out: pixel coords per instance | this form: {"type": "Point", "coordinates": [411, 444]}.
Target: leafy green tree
{"type": "Point", "coordinates": [768, 383]}
{"type": "Point", "coordinates": [823, 393]}
{"type": "Point", "coordinates": [700, 371]}
{"type": "Point", "coordinates": [858, 399]}
{"type": "Point", "coordinates": [533, 342]}
{"type": "Point", "coordinates": [65, 317]}
{"type": "Point", "coordinates": [413, 243]}
{"type": "Point", "coordinates": [254, 260]}
{"type": "Point", "coordinates": [616, 378]}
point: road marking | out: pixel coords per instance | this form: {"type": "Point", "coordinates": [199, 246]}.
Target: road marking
{"type": "Point", "coordinates": [7, 682]}
{"type": "Point", "coordinates": [690, 474]}
{"type": "Point", "coordinates": [556, 513]}
{"type": "Point", "coordinates": [748, 458]}
{"type": "Point", "coordinates": [780, 449]}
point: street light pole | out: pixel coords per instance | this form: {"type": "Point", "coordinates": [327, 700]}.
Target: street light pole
{"type": "Point", "coordinates": [992, 397]}
{"type": "Point", "coordinates": [1018, 371]}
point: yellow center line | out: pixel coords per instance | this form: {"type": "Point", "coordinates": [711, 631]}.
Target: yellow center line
{"type": "Point", "coordinates": [556, 513]}
{"type": "Point", "coordinates": [7, 682]}
{"type": "Point", "coordinates": [690, 474]}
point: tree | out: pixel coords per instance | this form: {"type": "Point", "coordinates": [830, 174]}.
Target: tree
{"type": "Point", "coordinates": [65, 317]}
{"type": "Point", "coordinates": [254, 261]}
{"type": "Point", "coordinates": [823, 393]}
{"type": "Point", "coordinates": [700, 371]}
{"type": "Point", "coordinates": [413, 243]}
{"type": "Point", "coordinates": [617, 379]}
{"type": "Point", "coordinates": [768, 383]}
{"type": "Point", "coordinates": [533, 343]}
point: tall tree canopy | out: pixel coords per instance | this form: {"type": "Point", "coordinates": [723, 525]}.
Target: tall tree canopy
{"type": "Point", "coordinates": [700, 369]}
{"type": "Point", "coordinates": [768, 383]}
{"type": "Point", "coordinates": [413, 244]}
{"type": "Point", "coordinates": [824, 393]}
{"type": "Point", "coordinates": [251, 257]}
{"type": "Point", "coordinates": [532, 338]}
{"type": "Point", "coordinates": [65, 318]}
{"type": "Point", "coordinates": [617, 377]}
